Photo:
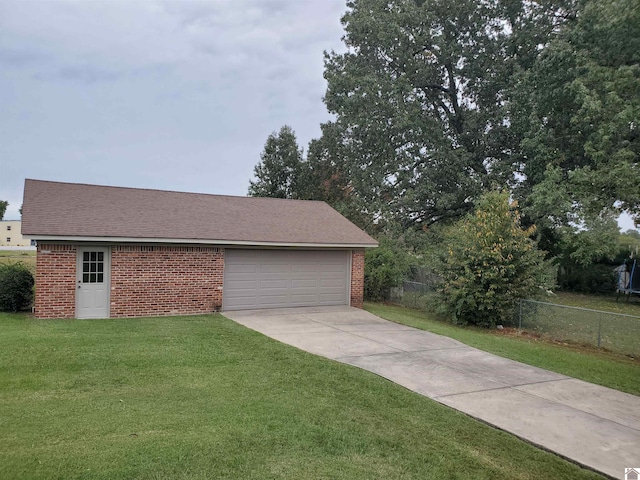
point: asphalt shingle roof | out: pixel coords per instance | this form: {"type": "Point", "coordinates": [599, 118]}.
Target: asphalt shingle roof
{"type": "Point", "coordinates": [56, 209]}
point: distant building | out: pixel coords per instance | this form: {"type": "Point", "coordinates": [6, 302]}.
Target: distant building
{"type": "Point", "coordinates": [10, 234]}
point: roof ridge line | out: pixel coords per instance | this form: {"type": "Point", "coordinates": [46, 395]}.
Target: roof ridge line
{"type": "Point", "coordinates": [168, 191]}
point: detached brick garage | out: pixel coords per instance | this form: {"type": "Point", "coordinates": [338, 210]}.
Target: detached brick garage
{"type": "Point", "coordinates": [127, 252]}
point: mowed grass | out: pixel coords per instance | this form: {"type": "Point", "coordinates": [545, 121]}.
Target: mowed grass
{"type": "Point", "coordinates": [577, 324]}
{"type": "Point", "coordinates": [28, 257]}
{"type": "Point", "coordinates": [625, 304]}
{"type": "Point", "coordinates": [202, 397]}
{"type": "Point", "coordinates": [590, 364]}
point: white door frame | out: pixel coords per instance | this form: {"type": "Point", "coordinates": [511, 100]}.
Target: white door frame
{"type": "Point", "coordinates": [91, 281]}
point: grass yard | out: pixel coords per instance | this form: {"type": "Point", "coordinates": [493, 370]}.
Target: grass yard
{"type": "Point", "coordinates": [14, 256]}
{"type": "Point", "coordinates": [577, 324]}
{"type": "Point", "coordinates": [608, 303]}
{"type": "Point", "coordinates": [592, 365]}
{"type": "Point", "coordinates": [202, 397]}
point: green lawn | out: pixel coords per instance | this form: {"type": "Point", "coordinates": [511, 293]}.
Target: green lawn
{"type": "Point", "coordinates": [202, 397]}
{"type": "Point", "coordinates": [592, 365]}
{"type": "Point", "coordinates": [608, 303]}
{"type": "Point", "coordinates": [578, 324]}
{"type": "Point", "coordinates": [618, 333]}
{"type": "Point", "coordinates": [13, 256]}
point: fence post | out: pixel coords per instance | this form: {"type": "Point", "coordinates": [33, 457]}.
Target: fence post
{"type": "Point", "coordinates": [520, 316]}
{"type": "Point", "coordinates": [599, 330]}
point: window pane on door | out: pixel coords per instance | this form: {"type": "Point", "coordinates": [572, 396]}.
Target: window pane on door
{"type": "Point", "coordinates": [93, 267]}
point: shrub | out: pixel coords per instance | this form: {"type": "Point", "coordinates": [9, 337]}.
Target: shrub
{"type": "Point", "coordinates": [490, 262]}
{"type": "Point", "coordinates": [384, 268]}
{"type": "Point", "coordinates": [595, 278]}
{"type": "Point", "coordinates": [16, 287]}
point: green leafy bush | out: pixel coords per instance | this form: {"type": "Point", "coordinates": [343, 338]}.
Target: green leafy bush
{"type": "Point", "coordinates": [16, 287]}
{"type": "Point", "coordinates": [595, 278]}
{"type": "Point", "coordinates": [490, 262]}
{"type": "Point", "coordinates": [384, 268]}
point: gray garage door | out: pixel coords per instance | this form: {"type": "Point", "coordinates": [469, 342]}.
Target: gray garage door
{"type": "Point", "coordinates": [284, 278]}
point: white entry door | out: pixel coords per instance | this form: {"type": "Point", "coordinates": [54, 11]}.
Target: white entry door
{"type": "Point", "coordinates": [92, 282]}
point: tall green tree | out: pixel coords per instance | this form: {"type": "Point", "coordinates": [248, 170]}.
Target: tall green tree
{"type": "Point", "coordinates": [328, 178]}
{"type": "Point", "coordinates": [281, 170]}
{"type": "Point", "coordinates": [580, 107]}
{"type": "Point", "coordinates": [3, 208]}
{"type": "Point", "coordinates": [420, 99]}
{"type": "Point", "coordinates": [284, 173]}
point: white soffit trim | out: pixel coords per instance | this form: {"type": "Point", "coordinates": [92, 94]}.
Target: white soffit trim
{"type": "Point", "coordinates": [196, 241]}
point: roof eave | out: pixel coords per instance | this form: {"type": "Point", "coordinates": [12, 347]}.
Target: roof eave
{"type": "Point", "coordinates": [195, 241]}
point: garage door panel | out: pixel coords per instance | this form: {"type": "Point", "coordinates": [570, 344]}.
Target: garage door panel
{"type": "Point", "coordinates": [242, 268]}
{"type": "Point", "coordinates": [246, 302]}
{"type": "Point", "coordinates": [282, 278]}
{"type": "Point", "coordinates": [274, 268]}
{"type": "Point", "coordinates": [275, 275]}
{"type": "Point", "coordinates": [273, 296]}
{"type": "Point", "coordinates": [242, 285]}
{"type": "Point", "coordinates": [274, 283]}
{"type": "Point", "coordinates": [303, 275]}
{"type": "Point", "coordinates": [331, 268]}
{"type": "Point", "coordinates": [304, 268]}
{"type": "Point", "coordinates": [304, 283]}
{"type": "Point", "coordinates": [303, 298]}
{"type": "Point", "coordinates": [244, 276]}
{"type": "Point", "coordinates": [330, 298]}
{"type": "Point", "coordinates": [272, 300]}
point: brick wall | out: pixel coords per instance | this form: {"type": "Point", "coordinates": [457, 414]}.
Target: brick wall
{"type": "Point", "coordinates": [149, 280]}
{"type": "Point", "coordinates": [55, 281]}
{"type": "Point", "coordinates": [165, 280]}
{"type": "Point", "coordinates": [357, 278]}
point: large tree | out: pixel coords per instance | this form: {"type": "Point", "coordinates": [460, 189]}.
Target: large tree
{"type": "Point", "coordinates": [327, 178]}
{"type": "Point", "coordinates": [420, 98]}
{"type": "Point", "coordinates": [280, 172]}
{"type": "Point", "coordinates": [580, 107]}
{"type": "Point", "coordinates": [3, 208]}
{"type": "Point", "coordinates": [284, 172]}
{"type": "Point", "coordinates": [582, 99]}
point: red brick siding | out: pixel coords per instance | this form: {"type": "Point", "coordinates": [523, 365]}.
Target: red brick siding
{"type": "Point", "coordinates": [149, 280]}
{"type": "Point", "coordinates": [55, 281]}
{"type": "Point", "coordinates": [165, 280]}
{"type": "Point", "coordinates": [357, 278]}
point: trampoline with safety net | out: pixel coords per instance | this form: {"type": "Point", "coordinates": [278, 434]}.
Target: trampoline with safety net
{"type": "Point", "coordinates": [629, 278]}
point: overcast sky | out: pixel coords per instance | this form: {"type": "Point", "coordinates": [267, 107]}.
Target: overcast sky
{"type": "Point", "coordinates": [174, 95]}
{"type": "Point", "coordinates": [154, 94]}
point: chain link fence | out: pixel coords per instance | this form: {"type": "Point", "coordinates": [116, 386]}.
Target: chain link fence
{"type": "Point", "coordinates": [412, 294]}
{"type": "Point", "coordinates": [416, 290]}
{"type": "Point", "coordinates": [616, 332]}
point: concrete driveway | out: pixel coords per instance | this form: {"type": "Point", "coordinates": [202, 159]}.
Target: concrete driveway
{"type": "Point", "coordinates": [592, 425]}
